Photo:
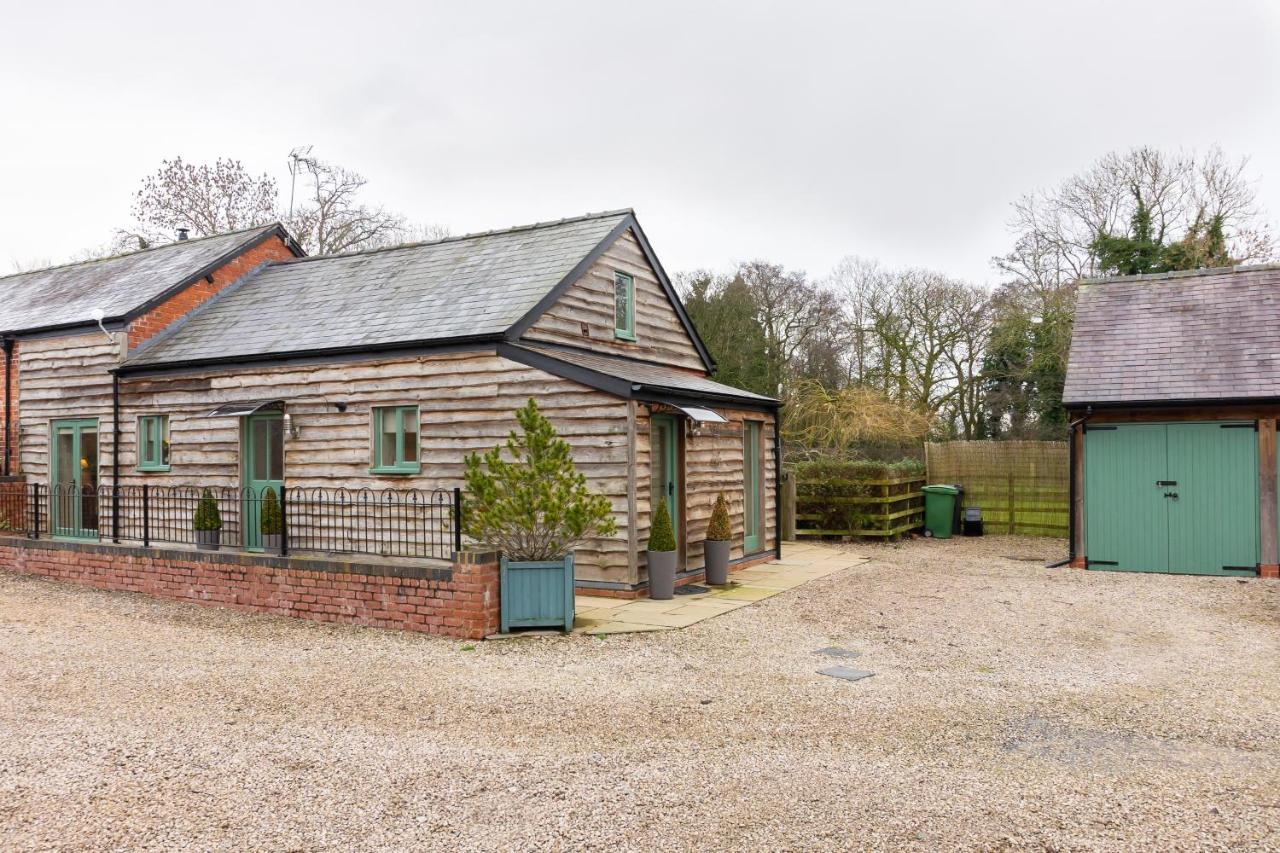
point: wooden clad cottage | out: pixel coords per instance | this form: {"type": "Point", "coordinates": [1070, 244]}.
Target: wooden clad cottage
{"type": "Point", "coordinates": [384, 369]}
{"type": "Point", "coordinates": [1173, 392]}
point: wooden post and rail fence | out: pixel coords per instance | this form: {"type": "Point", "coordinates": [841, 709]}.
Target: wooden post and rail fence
{"type": "Point", "coordinates": [1022, 487]}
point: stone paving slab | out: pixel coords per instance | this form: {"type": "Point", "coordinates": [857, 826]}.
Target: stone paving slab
{"type": "Point", "coordinates": [800, 564]}
{"type": "Point", "coordinates": [847, 673]}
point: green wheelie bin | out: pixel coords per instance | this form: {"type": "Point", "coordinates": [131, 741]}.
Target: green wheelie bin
{"type": "Point", "coordinates": [939, 510]}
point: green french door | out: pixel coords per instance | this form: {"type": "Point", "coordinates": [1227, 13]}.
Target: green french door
{"type": "Point", "coordinates": [1178, 498]}
{"type": "Point", "coordinates": [751, 478]}
{"type": "Point", "coordinates": [262, 438]}
{"type": "Point", "coordinates": [73, 496]}
{"type": "Point", "coordinates": [664, 464]}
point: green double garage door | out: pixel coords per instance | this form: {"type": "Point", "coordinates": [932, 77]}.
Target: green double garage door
{"type": "Point", "coordinates": [1179, 498]}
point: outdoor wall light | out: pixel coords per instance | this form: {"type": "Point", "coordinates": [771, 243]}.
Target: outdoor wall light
{"type": "Point", "coordinates": [291, 429]}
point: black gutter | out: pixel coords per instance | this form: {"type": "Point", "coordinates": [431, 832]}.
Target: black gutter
{"type": "Point", "coordinates": [335, 353]}
{"type": "Point", "coordinates": [8, 406]}
{"type": "Point", "coordinates": [115, 458]}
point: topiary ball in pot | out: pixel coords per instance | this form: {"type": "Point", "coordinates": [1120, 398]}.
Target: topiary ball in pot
{"type": "Point", "coordinates": [207, 522]}
{"type": "Point", "coordinates": [719, 532]}
{"type": "Point", "coordinates": [662, 555]}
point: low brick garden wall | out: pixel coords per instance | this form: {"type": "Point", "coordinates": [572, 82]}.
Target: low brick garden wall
{"type": "Point", "coordinates": [458, 600]}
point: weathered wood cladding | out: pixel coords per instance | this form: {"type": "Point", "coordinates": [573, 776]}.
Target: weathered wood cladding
{"type": "Point", "coordinates": [467, 404]}
{"type": "Point", "coordinates": [590, 301]}
{"type": "Point", "coordinates": [64, 377]}
{"type": "Point", "coordinates": [712, 457]}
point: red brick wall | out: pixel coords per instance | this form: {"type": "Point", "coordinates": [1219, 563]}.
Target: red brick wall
{"type": "Point", "coordinates": [180, 304]}
{"type": "Point", "coordinates": [461, 601]}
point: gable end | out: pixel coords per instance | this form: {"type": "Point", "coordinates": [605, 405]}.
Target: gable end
{"type": "Point", "coordinates": [628, 226]}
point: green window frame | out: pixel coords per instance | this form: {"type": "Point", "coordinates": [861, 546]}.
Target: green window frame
{"type": "Point", "coordinates": [396, 448]}
{"type": "Point", "coordinates": [153, 443]}
{"type": "Point", "coordinates": [624, 306]}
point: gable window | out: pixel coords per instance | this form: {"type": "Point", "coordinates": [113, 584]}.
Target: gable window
{"type": "Point", "coordinates": [624, 306]}
{"type": "Point", "coordinates": [153, 443]}
{"type": "Point", "coordinates": [395, 440]}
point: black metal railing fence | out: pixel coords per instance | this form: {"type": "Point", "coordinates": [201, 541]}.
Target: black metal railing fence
{"type": "Point", "coordinates": [387, 523]}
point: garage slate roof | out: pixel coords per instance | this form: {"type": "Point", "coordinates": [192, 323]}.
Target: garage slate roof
{"type": "Point", "coordinates": [640, 375]}
{"type": "Point", "coordinates": [457, 288]}
{"type": "Point", "coordinates": [119, 285]}
{"type": "Point", "coordinates": [1197, 336]}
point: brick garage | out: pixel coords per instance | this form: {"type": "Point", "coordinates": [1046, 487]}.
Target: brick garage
{"type": "Point", "coordinates": [457, 600]}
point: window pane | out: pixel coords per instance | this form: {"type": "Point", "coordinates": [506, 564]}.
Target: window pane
{"type": "Point", "coordinates": [164, 440]}
{"type": "Point", "coordinates": [277, 448]}
{"type": "Point", "coordinates": [410, 422]}
{"type": "Point", "coordinates": [387, 429]}
{"type": "Point", "coordinates": [261, 449]}
{"type": "Point", "coordinates": [89, 459]}
{"type": "Point", "coordinates": [622, 302]}
{"type": "Point", "coordinates": [146, 452]}
{"type": "Point", "coordinates": [65, 475]}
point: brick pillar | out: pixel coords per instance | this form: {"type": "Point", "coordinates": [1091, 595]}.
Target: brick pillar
{"type": "Point", "coordinates": [476, 596]}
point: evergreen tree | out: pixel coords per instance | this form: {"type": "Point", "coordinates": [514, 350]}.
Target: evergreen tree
{"type": "Point", "coordinates": [535, 506]}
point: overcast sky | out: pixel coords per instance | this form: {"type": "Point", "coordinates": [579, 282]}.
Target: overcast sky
{"type": "Point", "coordinates": [798, 132]}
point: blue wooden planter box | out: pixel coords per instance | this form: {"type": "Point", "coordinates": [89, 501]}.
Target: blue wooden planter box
{"type": "Point", "coordinates": [538, 594]}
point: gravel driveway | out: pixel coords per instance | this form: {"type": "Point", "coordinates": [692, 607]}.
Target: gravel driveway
{"type": "Point", "coordinates": [1013, 706]}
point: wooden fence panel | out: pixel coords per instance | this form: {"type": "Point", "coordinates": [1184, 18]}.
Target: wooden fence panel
{"type": "Point", "coordinates": [877, 507]}
{"type": "Point", "coordinates": [1022, 486]}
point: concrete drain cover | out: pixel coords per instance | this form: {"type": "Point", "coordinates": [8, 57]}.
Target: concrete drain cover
{"type": "Point", "coordinates": [845, 672]}
{"type": "Point", "coordinates": [837, 652]}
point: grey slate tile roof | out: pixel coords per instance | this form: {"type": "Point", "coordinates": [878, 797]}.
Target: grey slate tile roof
{"type": "Point", "coordinates": [118, 285]}
{"type": "Point", "coordinates": [1211, 335]}
{"type": "Point", "coordinates": [453, 288]}
{"type": "Point", "coordinates": [652, 376]}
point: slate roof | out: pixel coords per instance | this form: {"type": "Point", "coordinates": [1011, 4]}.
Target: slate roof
{"type": "Point", "coordinates": [1202, 336]}
{"type": "Point", "coordinates": [651, 377]}
{"type": "Point", "coordinates": [119, 285]}
{"type": "Point", "coordinates": [457, 288]}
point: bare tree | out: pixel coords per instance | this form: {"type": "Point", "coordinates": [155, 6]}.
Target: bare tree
{"type": "Point", "coordinates": [791, 310]}
{"type": "Point", "coordinates": [334, 221]}
{"type": "Point", "coordinates": [1055, 229]}
{"type": "Point", "coordinates": [204, 199]}
{"type": "Point", "coordinates": [919, 341]}
{"type": "Point", "coordinates": [213, 199]}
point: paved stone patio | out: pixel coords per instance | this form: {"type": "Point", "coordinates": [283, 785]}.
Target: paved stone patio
{"type": "Point", "coordinates": [801, 562]}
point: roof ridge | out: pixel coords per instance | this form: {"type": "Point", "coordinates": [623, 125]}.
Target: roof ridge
{"type": "Point", "coordinates": [1171, 274]}
{"type": "Point", "coordinates": [475, 235]}
{"type": "Point", "coordinates": [86, 261]}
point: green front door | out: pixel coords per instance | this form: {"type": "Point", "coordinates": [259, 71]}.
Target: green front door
{"type": "Point", "coordinates": [73, 496]}
{"type": "Point", "coordinates": [665, 480]}
{"type": "Point", "coordinates": [751, 486]}
{"type": "Point", "coordinates": [1172, 498]}
{"type": "Point", "coordinates": [262, 438]}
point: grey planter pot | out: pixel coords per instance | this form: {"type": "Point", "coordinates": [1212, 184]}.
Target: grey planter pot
{"type": "Point", "coordinates": [271, 543]}
{"type": "Point", "coordinates": [208, 540]}
{"type": "Point", "coordinates": [717, 561]}
{"type": "Point", "coordinates": [662, 575]}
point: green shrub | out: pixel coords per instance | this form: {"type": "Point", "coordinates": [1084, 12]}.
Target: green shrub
{"type": "Point", "coordinates": [271, 521]}
{"type": "Point", "coordinates": [536, 506]}
{"type": "Point", "coordinates": [719, 529]}
{"type": "Point", "coordinates": [661, 537]}
{"type": "Point", "coordinates": [207, 516]}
